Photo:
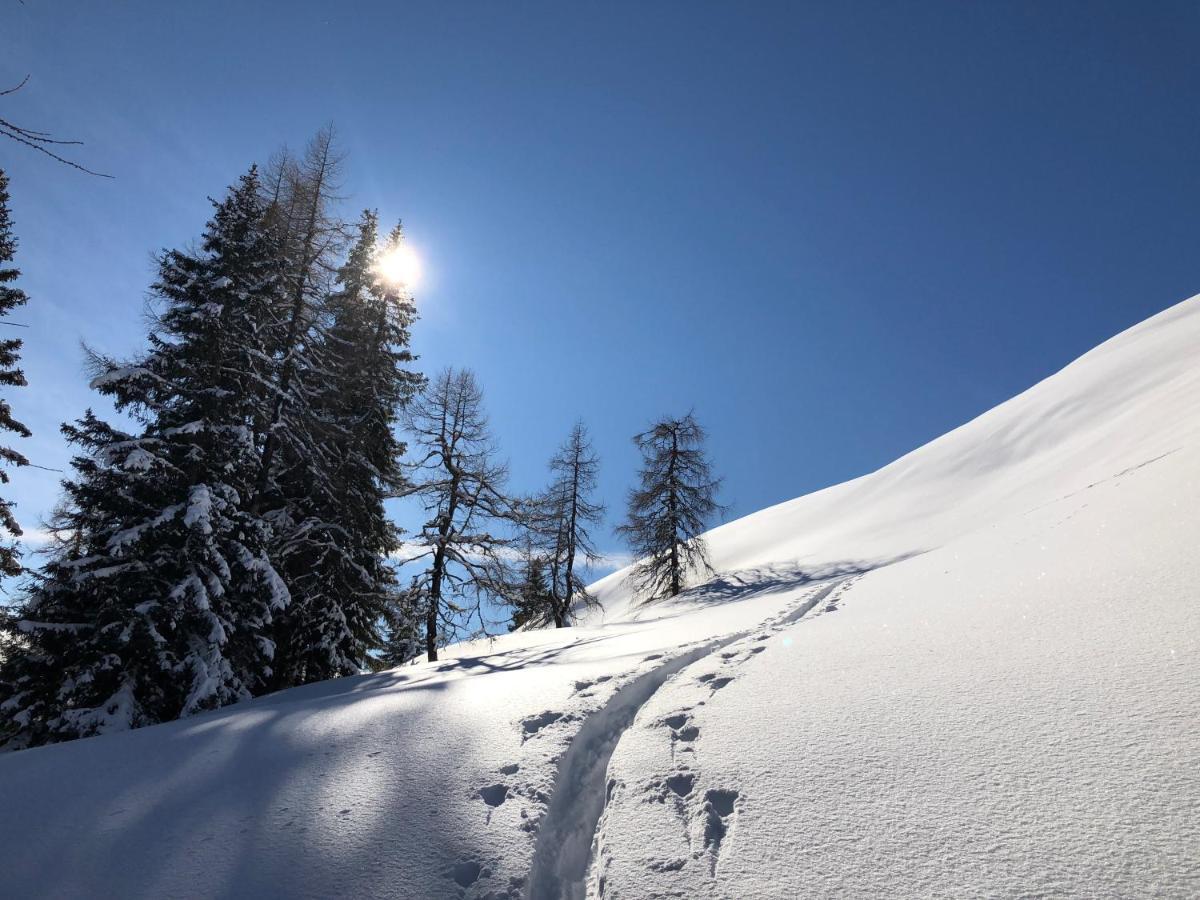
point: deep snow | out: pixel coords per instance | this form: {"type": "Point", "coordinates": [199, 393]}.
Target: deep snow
{"type": "Point", "coordinates": [971, 673]}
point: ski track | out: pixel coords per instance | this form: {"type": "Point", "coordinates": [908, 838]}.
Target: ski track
{"type": "Point", "coordinates": [567, 834]}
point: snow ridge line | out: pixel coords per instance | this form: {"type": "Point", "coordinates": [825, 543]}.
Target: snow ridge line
{"type": "Point", "coordinates": [565, 836]}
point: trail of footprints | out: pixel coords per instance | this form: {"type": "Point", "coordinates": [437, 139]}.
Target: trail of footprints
{"type": "Point", "coordinates": [465, 873]}
{"type": "Point", "coordinates": [707, 819]}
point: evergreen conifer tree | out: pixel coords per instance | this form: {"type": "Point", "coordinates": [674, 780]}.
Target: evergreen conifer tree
{"type": "Point", "coordinates": [403, 640]}
{"type": "Point", "coordinates": [10, 376]}
{"type": "Point", "coordinates": [335, 555]}
{"type": "Point", "coordinates": [532, 603]}
{"type": "Point", "coordinates": [159, 600]}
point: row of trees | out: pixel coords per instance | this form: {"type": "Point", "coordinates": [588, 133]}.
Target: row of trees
{"type": "Point", "coordinates": [228, 536]}
{"type": "Point", "coordinates": [474, 530]}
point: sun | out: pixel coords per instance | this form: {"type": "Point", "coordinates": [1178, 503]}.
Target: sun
{"type": "Point", "coordinates": [400, 266]}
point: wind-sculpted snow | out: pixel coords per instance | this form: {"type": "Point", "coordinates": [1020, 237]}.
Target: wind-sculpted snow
{"type": "Point", "coordinates": [970, 674]}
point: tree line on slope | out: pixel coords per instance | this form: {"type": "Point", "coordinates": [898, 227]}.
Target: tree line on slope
{"type": "Point", "coordinates": [230, 538]}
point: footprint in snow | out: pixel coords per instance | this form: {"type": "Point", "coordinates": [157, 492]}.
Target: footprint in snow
{"type": "Point", "coordinates": [667, 865]}
{"type": "Point", "coordinates": [494, 795]}
{"type": "Point", "coordinates": [681, 727]}
{"type": "Point", "coordinates": [721, 802]}
{"type": "Point", "coordinates": [466, 873]}
{"type": "Point", "coordinates": [534, 724]}
{"type": "Point", "coordinates": [676, 721]}
{"type": "Point", "coordinates": [510, 769]}
{"type": "Point", "coordinates": [681, 783]}
{"type": "Point", "coordinates": [719, 807]}
{"type": "Point", "coordinates": [717, 683]}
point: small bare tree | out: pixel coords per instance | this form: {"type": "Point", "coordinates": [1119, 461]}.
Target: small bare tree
{"type": "Point", "coordinates": [461, 486]}
{"type": "Point", "coordinates": [670, 507]}
{"type": "Point", "coordinates": [564, 516]}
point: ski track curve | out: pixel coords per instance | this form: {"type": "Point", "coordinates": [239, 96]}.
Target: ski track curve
{"type": "Point", "coordinates": [566, 835]}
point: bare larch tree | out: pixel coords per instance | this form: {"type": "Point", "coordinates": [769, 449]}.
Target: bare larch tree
{"type": "Point", "coordinates": [461, 486]}
{"type": "Point", "coordinates": [670, 506]}
{"type": "Point", "coordinates": [301, 196]}
{"type": "Point", "coordinates": [566, 513]}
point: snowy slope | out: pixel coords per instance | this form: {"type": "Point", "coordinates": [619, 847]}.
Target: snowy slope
{"type": "Point", "coordinates": [971, 673]}
{"type": "Point", "coordinates": [1125, 403]}
{"type": "Point", "coordinates": [1014, 714]}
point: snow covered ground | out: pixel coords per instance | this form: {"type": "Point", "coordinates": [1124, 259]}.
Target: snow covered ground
{"type": "Point", "coordinates": [972, 673]}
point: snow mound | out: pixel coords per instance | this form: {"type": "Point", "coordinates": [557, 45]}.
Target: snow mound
{"type": "Point", "coordinates": [971, 673]}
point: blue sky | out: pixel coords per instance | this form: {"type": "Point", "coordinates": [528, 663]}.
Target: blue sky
{"type": "Point", "coordinates": [836, 229]}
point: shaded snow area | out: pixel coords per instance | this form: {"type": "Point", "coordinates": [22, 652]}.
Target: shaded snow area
{"type": "Point", "coordinates": [427, 781]}
{"type": "Point", "coordinates": [970, 674]}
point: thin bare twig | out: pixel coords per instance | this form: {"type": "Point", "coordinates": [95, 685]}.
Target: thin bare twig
{"type": "Point", "coordinates": [39, 139]}
{"type": "Point", "coordinates": [13, 90]}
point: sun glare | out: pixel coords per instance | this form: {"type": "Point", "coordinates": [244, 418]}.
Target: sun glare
{"type": "Point", "coordinates": [401, 266]}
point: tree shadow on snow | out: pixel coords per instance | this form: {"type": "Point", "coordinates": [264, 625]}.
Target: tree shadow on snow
{"type": "Point", "coordinates": [292, 794]}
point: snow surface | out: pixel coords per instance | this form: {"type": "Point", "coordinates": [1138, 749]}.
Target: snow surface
{"type": "Point", "coordinates": [971, 673]}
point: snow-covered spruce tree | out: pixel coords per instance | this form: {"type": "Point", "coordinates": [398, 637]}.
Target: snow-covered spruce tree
{"type": "Point", "coordinates": [158, 600]}
{"type": "Point", "coordinates": [403, 640]}
{"type": "Point", "coordinates": [461, 487]}
{"type": "Point", "coordinates": [531, 601]}
{"type": "Point", "coordinates": [335, 536]}
{"type": "Point", "coordinates": [669, 508]}
{"type": "Point", "coordinates": [10, 376]}
{"type": "Point", "coordinates": [562, 517]}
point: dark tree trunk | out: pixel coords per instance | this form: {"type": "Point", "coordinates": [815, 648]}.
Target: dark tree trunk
{"type": "Point", "coordinates": [676, 575]}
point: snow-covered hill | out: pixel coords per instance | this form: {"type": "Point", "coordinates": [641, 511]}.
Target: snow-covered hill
{"type": "Point", "coordinates": [971, 673]}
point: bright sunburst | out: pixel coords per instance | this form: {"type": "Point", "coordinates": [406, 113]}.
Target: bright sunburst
{"type": "Point", "coordinates": [400, 266]}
